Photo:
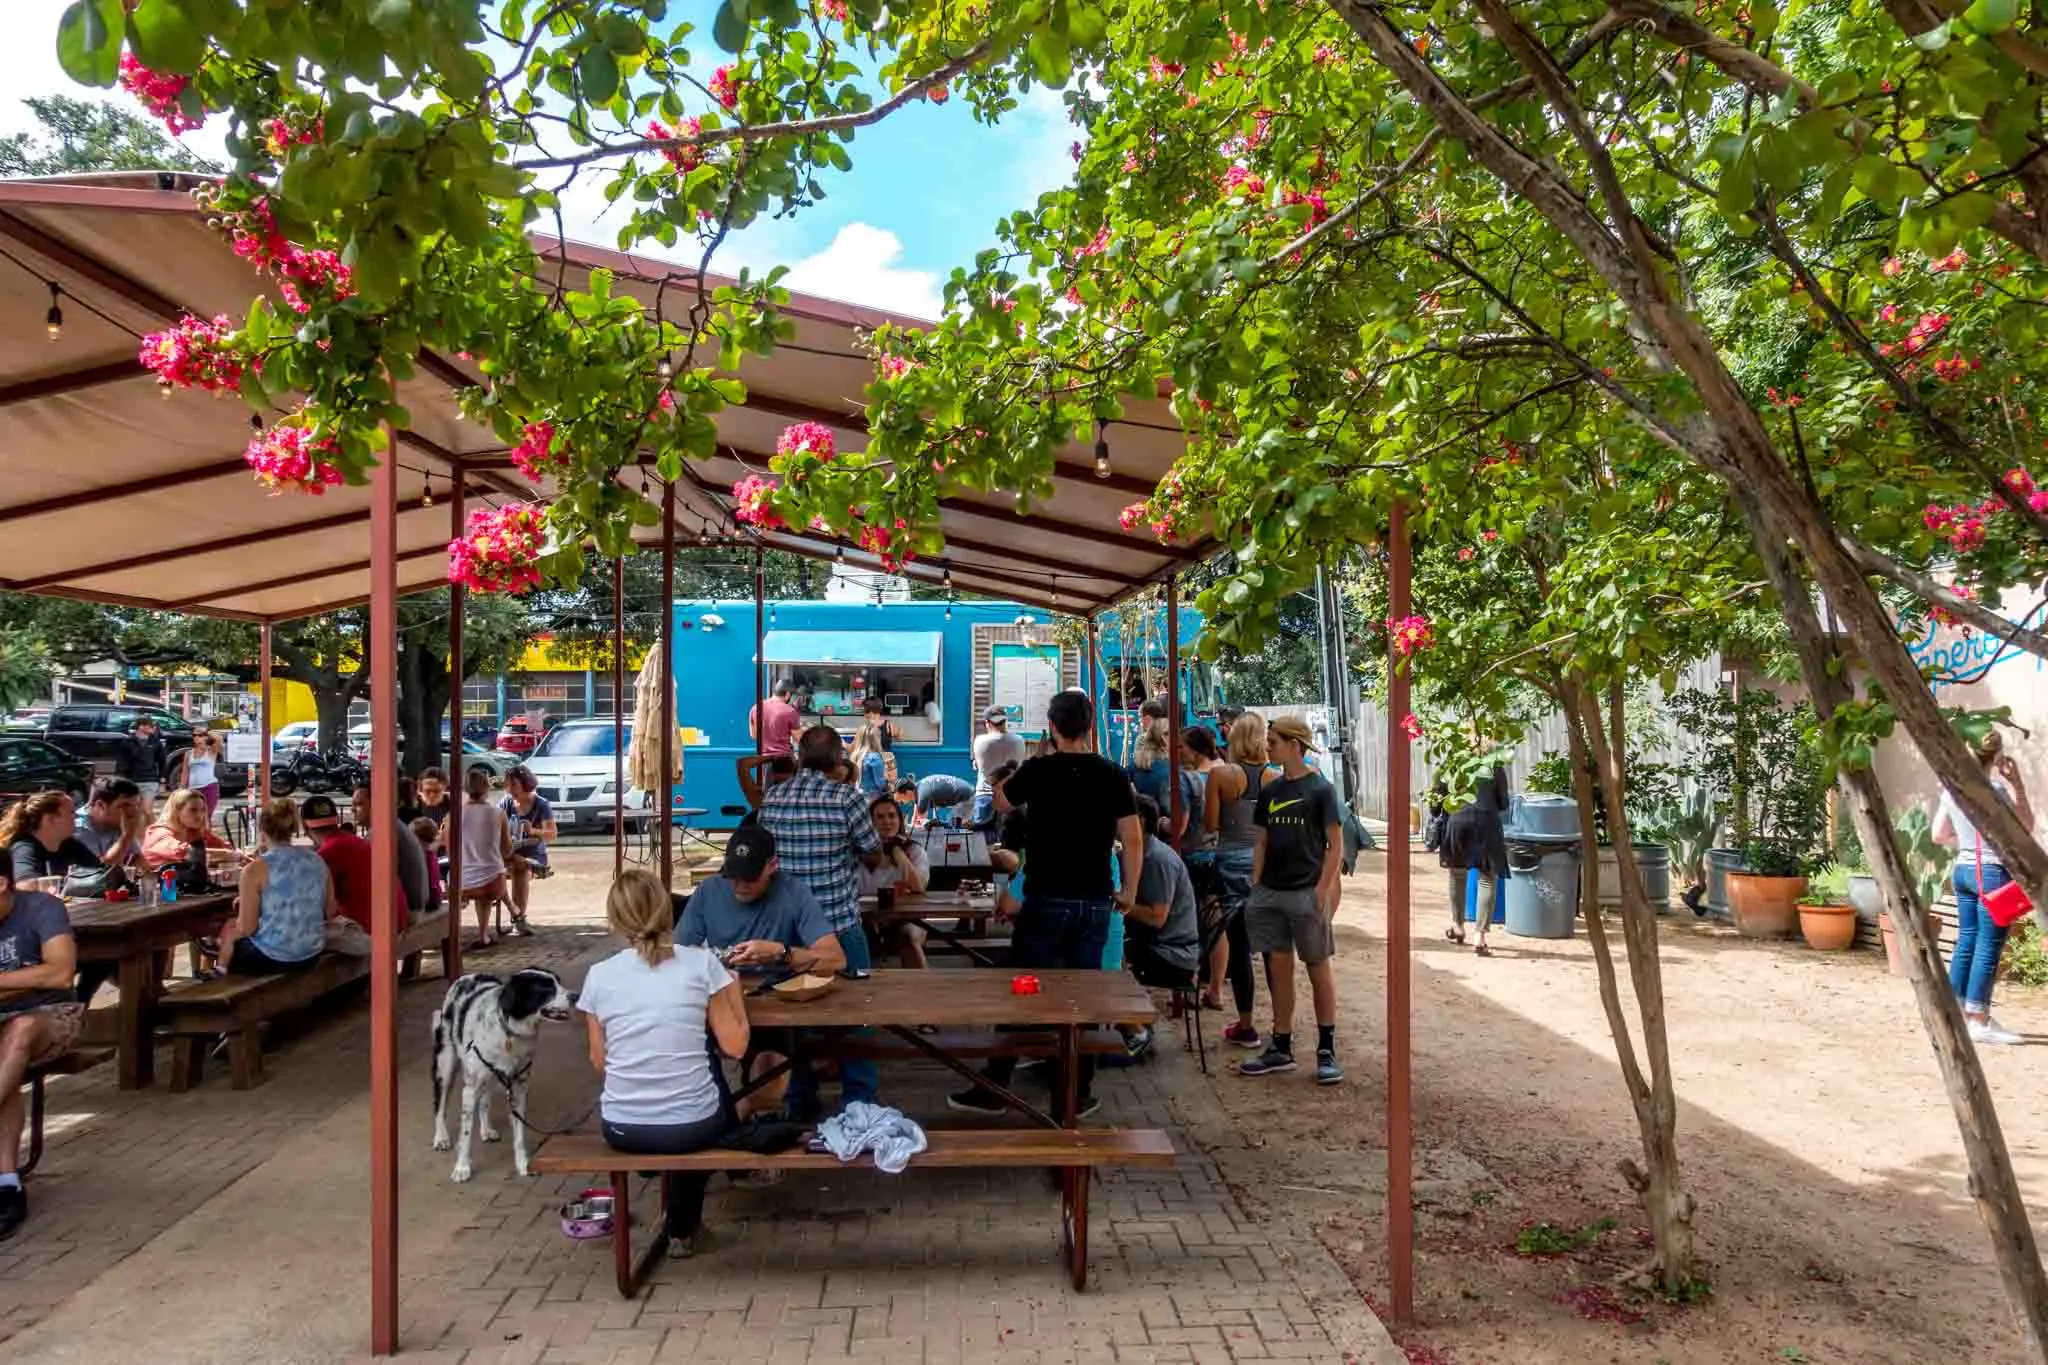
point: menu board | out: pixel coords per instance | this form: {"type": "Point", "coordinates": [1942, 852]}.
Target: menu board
{"type": "Point", "coordinates": [1022, 680]}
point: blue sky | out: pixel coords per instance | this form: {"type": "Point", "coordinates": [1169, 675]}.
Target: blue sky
{"type": "Point", "coordinates": [927, 187]}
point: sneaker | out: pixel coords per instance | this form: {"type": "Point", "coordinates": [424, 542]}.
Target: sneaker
{"type": "Point", "coordinates": [1086, 1107]}
{"type": "Point", "coordinates": [1241, 1035]}
{"type": "Point", "coordinates": [1138, 1042]}
{"type": "Point", "coordinates": [1990, 1031]}
{"type": "Point", "coordinates": [976, 1101]}
{"type": "Point", "coordinates": [1327, 1070]}
{"type": "Point", "coordinates": [1270, 1062]}
{"type": "Point", "coordinates": [13, 1210]}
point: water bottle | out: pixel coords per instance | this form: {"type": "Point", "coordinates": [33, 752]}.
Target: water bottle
{"type": "Point", "coordinates": [169, 877]}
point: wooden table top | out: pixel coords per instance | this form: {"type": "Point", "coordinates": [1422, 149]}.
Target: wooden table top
{"type": "Point", "coordinates": [930, 905]}
{"type": "Point", "coordinates": [103, 923]}
{"type": "Point", "coordinates": [972, 997]}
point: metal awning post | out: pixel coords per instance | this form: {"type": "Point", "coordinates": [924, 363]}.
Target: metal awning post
{"type": "Point", "coordinates": [1094, 697]}
{"type": "Point", "coordinates": [263, 714]}
{"type": "Point", "coordinates": [760, 651]}
{"type": "Point", "coordinates": [1174, 804]}
{"type": "Point", "coordinates": [1400, 1117]}
{"type": "Point", "coordinates": [664, 809]}
{"type": "Point", "coordinates": [458, 770]}
{"type": "Point", "coordinates": [383, 666]}
{"type": "Point", "coordinates": [618, 715]}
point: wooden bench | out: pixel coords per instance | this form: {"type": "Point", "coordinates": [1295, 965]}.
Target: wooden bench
{"type": "Point", "coordinates": [196, 1012]}
{"type": "Point", "coordinates": [1075, 1153]}
{"type": "Point", "coordinates": [977, 1043]}
{"type": "Point", "coordinates": [69, 1064]}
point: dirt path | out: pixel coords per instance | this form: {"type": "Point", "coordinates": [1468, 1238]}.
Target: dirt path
{"type": "Point", "coordinates": [1834, 1222]}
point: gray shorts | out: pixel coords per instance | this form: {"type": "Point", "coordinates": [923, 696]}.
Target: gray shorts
{"type": "Point", "coordinates": [1277, 921]}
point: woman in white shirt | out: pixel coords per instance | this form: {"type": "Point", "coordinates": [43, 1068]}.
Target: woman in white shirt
{"type": "Point", "coordinates": [1979, 869]}
{"type": "Point", "coordinates": [653, 1011]}
{"type": "Point", "coordinates": [486, 840]}
{"type": "Point", "coordinates": [904, 868]}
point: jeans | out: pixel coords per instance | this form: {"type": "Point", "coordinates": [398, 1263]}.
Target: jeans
{"type": "Point", "coordinates": [682, 1192]}
{"type": "Point", "coordinates": [1234, 885]}
{"type": "Point", "coordinates": [1979, 941]}
{"type": "Point", "coordinates": [1057, 932]}
{"type": "Point", "coordinates": [858, 1080]}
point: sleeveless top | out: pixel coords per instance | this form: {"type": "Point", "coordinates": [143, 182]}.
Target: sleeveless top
{"type": "Point", "coordinates": [291, 918]}
{"type": "Point", "coordinates": [1234, 828]}
{"type": "Point", "coordinates": [483, 859]}
{"type": "Point", "coordinates": [199, 772]}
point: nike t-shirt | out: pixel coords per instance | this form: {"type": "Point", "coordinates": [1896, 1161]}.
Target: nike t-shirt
{"type": "Point", "coordinates": [1296, 813]}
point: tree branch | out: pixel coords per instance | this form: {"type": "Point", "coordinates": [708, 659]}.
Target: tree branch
{"type": "Point", "coordinates": [1948, 599]}
{"type": "Point", "coordinates": [762, 132]}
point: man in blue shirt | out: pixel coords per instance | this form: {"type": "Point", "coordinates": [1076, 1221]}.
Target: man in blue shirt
{"type": "Point", "coordinates": [753, 916]}
{"type": "Point", "coordinates": [39, 1018]}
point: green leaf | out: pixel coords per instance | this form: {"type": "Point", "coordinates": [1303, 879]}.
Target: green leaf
{"type": "Point", "coordinates": [1992, 16]}
{"type": "Point", "coordinates": [1934, 39]}
{"type": "Point", "coordinates": [165, 38]}
{"type": "Point", "coordinates": [89, 41]}
{"type": "Point", "coordinates": [390, 16]}
{"type": "Point", "coordinates": [729, 27]}
{"type": "Point", "coordinates": [599, 71]}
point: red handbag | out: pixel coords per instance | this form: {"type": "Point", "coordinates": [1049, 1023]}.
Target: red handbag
{"type": "Point", "coordinates": [2005, 904]}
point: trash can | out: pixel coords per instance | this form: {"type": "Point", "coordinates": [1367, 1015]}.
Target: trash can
{"type": "Point", "coordinates": [1720, 862]}
{"type": "Point", "coordinates": [1542, 891]}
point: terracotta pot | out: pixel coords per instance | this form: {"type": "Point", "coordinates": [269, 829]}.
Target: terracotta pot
{"type": "Point", "coordinates": [1828, 928]}
{"type": "Point", "coordinates": [1893, 962]}
{"type": "Point", "coordinates": [1764, 907]}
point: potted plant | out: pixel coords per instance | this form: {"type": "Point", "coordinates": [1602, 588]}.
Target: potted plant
{"type": "Point", "coordinates": [1690, 826]}
{"type": "Point", "coordinates": [1826, 919]}
{"type": "Point", "coordinates": [1860, 887]}
{"type": "Point", "coordinates": [1763, 894]}
{"type": "Point", "coordinates": [1780, 814]}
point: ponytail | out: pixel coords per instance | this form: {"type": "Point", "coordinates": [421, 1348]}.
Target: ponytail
{"type": "Point", "coordinates": [639, 911]}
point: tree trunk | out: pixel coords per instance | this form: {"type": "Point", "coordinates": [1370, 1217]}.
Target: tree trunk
{"type": "Point", "coordinates": [331, 705]}
{"type": "Point", "coordinates": [1657, 1181]}
{"type": "Point", "coordinates": [423, 685]}
{"type": "Point", "coordinates": [1993, 1186]}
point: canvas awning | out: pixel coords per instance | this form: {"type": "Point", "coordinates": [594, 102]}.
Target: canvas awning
{"type": "Point", "coordinates": [118, 495]}
{"type": "Point", "coordinates": [876, 648]}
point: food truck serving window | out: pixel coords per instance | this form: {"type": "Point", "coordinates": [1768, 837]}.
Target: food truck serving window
{"type": "Point", "coordinates": [832, 672]}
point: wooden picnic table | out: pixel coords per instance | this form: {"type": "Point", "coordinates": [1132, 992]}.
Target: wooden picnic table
{"type": "Point", "coordinates": [900, 1001]}
{"type": "Point", "coordinates": [133, 935]}
{"type": "Point", "coordinates": [949, 916]}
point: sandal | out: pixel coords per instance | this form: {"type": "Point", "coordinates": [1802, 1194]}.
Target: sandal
{"type": "Point", "coordinates": [477, 945]}
{"type": "Point", "coordinates": [1455, 935]}
{"type": "Point", "coordinates": [1482, 951]}
{"type": "Point", "coordinates": [520, 928]}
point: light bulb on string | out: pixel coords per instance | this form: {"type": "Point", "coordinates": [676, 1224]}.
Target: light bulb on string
{"type": "Point", "coordinates": [54, 319]}
{"type": "Point", "coordinates": [1102, 469]}
{"type": "Point", "coordinates": [664, 369]}
{"type": "Point", "coordinates": [427, 490]}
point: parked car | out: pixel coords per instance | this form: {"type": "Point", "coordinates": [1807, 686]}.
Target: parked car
{"type": "Point", "coordinates": [94, 731]}
{"type": "Point", "coordinates": [573, 768]}
{"type": "Point", "coordinates": [519, 736]}
{"type": "Point", "coordinates": [291, 738]}
{"type": "Point", "coordinates": [496, 762]}
{"type": "Point", "coordinates": [30, 765]}
{"type": "Point", "coordinates": [29, 720]}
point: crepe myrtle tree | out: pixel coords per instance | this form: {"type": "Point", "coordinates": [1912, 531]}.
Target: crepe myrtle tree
{"type": "Point", "coordinates": [1804, 253]}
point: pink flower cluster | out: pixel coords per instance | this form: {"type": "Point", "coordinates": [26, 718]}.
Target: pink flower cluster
{"type": "Point", "coordinates": [892, 367]}
{"type": "Point", "coordinates": [1411, 725]}
{"type": "Point", "coordinates": [1239, 181]}
{"type": "Point", "coordinates": [498, 550]}
{"type": "Point", "coordinates": [890, 544]}
{"type": "Point", "coordinates": [805, 438]}
{"type": "Point", "coordinates": [158, 92]}
{"type": "Point", "coordinates": [535, 456]}
{"type": "Point", "coordinates": [1955, 260]}
{"type": "Point", "coordinates": [834, 9]}
{"type": "Point", "coordinates": [1098, 245]}
{"type": "Point", "coordinates": [751, 503]}
{"type": "Point", "coordinates": [1165, 71]}
{"type": "Point", "coordinates": [1410, 635]}
{"type": "Point", "coordinates": [724, 88]}
{"type": "Point", "coordinates": [1318, 211]}
{"type": "Point", "coordinates": [684, 156]}
{"type": "Point", "coordinates": [290, 456]}
{"type": "Point", "coordinates": [258, 241]}
{"type": "Point", "coordinates": [194, 354]}
{"type": "Point", "coordinates": [1963, 524]}
{"type": "Point", "coordinates": [279, 136]}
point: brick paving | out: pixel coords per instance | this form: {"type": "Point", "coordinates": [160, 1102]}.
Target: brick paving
{"type": "Point", "coordinates": [933, 1267]}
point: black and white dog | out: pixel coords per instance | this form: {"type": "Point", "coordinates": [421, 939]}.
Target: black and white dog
{"type": "Point", "coordinates": [487, 1028]}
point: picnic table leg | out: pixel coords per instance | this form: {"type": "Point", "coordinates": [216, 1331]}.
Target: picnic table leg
{"type": "Point", "coordinates": [1070, 1075]}
{"type": "Point", "coordinates": [136, 1062]}
{"type": "Point", "coordinates": [1074, 1182]}
{"type": "Point", "coordinates": [622, 1235]}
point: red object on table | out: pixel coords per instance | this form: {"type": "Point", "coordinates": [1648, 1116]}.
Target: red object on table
{"type": "Point", "coordinates": [1024, 984]}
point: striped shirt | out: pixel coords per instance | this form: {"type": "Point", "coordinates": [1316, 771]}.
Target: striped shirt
{"type": "Point", "coordinates": [821, 828]}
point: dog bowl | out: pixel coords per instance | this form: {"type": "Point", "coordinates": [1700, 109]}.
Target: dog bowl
{"type": "Point", "coordinates": [806, 987]}
{"type": "Point", "coordinates": [588, 1216]}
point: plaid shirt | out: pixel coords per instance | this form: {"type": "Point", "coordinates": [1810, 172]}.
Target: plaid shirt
{"type": "Point", "coordinates": [821, 827]}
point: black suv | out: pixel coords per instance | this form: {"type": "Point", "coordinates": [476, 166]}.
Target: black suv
{"type": "Point", "coordinates": [94, 733]}
{"type": "Point", "coordinates": [29, 765]}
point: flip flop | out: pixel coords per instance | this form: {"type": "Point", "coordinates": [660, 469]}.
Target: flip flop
{"type": "Point", "coordinates": [477, 945]}
{"type": "Point", "coordinates": [1482, 951]}
{"type": "Point", "coordinates": [1455, 935]}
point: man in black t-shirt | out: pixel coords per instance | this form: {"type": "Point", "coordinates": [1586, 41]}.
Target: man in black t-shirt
{"type": "Point", "coordinates": [1296, 870]}
{"type": "Point", "coordinates": [1082, 813]}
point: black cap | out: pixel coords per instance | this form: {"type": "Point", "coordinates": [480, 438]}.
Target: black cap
{"type": "Point", "coordinates": [319, 810]}
{"type": "Point", "coordinates": [747, 853]}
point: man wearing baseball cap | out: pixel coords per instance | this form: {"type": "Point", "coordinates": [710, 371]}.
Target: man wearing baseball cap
{"type": "Point", "coordinates": [992, 749]}
{"type": "Point", "coordinates": [1297, 862]}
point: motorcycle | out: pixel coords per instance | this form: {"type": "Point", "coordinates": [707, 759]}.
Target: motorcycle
{"type": "Point", "coordinates": [318, 774]}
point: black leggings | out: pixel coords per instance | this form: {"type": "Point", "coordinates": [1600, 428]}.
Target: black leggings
{"type": "Point", "coordinates": [1241, 993]}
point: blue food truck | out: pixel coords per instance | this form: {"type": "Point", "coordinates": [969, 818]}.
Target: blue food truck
{"type": "Point", "coordinates": [936, 666]}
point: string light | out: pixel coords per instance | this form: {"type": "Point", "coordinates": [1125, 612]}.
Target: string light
{"type": "Point", "coordinates": [427, 489]}
{"type": "Point", "coordinates": [55, 317]}
{"type": "Point", "coordinates": [949, 600]}
{"type": "Point", "coordinates": [839, 554]}
{"type": "Point", "coordinates": [946, 579]}
{"type": "Point", "coordinates": [664, 369]}
{"type": "Point", "coordinates": [1102, 469]}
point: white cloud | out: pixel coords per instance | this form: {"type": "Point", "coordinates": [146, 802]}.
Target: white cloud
{"type": "Point", "coordinates": [859, 266]}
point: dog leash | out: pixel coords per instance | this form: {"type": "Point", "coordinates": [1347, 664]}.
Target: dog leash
{"type": "Point", "coordinates": [510, 1081]}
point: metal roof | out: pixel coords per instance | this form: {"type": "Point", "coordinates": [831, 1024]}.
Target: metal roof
{"type": "Point", "coordinates": [116, 494]}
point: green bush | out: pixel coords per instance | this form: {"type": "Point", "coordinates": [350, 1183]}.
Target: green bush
{"type": "Point", "coordinates": [2026, 956]}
